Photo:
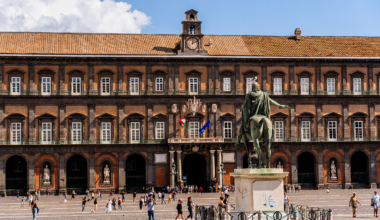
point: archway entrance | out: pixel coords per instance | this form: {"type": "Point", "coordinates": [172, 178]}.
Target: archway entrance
{"type": "Point", "coordinates": [194, 169]}
{"type": "Point", "coordinates": [76, 172]}
{"type": "Point", "coordinates": [359, 168]}
{"type": "Point", "coordinates": [135, 171]}
{"type": "Point", "coordinates": [16, 174]}
{"type": "Point", "coordinates": [306, 169]}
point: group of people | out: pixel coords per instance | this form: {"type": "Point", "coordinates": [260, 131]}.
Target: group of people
{"type": "Point", "coordinates": [292, 188]}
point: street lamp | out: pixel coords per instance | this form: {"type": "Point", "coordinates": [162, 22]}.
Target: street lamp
{"type": "Point", "coordinates": [222, 171]}
{"type": "Point", "coordinates": [174, 172]}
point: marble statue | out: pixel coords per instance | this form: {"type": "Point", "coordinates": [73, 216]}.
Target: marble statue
{"type": "Point", "coordinates": [46, 178]}
{"type": "Point", "coordinates": [106, 174]}
{"type": "Point", "coordinates": [256, 124]}
{"type": "Point", "coordinates": [333, 170]}
{"type": "Point", "coordinates": [279, 165]}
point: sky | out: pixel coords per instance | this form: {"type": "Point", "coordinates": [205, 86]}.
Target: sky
{"type": "Point", "coordinates": [222, 17]}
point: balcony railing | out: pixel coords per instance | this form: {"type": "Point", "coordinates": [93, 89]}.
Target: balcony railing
{"type": "Point", "coordinates": [348, 139]}
{"type": "Point", "coordinates": [87, 142]}
{"type": "Point", "coordinates": [195, 140]}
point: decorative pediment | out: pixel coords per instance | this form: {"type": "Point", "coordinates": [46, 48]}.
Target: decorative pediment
{"type": "Point", "coordinates": [46, 116]}
{"type": "Point", "coordinates": [134, 72]}
{"type": "Point", "coordinates": [193, 73]}
{"type": "Point", "coordinates": [251, 73]}
{"type": "Point", "coordinates": [46, 71]}
{"type": "Point", "coordinates": [359, 115]}
{"type": "Point", "coordinates": [197, 115]}
{"type": "Point", "coordinates": [331, 74]}
{"type": "Point", "coordinates": [279, 115]}
{"type": "Point", "coordinates": [106, 72]}
{"type": "Point", "coordinates": [304, 74]}
{"type": "Point", "coordinates": [306, 115]}
{"type": "Point", "coordinates": [227, 116]}
{"type": "Point", "coordinates": [16, 71]}
{"type": "Point", "coordinates": [159, 116]}
{"type": "Point", "coordinates": [16, 116]}
{"type": "Point", "coordinates": [357, 74]}
{"type": "Point", "coordinates": [332, 115]}
{"type": "Point", "coordinates": [77, 116]}
{"type": "Point", "coordinates": [106, 116]}
{"type": "Point", "coordinates": [277, 73]}
{"type": "Point", "coordinates": [159, 72]}
{"type": "Point", "coordinates": [76, 72]}
{"type": "Point", "coordinates": [135, 116]}
{"type": "Point", "coordinates": [226, 73]}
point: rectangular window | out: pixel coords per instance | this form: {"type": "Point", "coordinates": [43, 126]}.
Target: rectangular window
{"type": "Point", "coordinates": [193, 86]}
{"type": "Point", "coordinates": [330, 86]}
{"type": "Point", "coordinates": [227, 84]}
{"type": "Point", "coordinates": [106, 83]}
{"type": "Point", "coordinates": [277, 86]}
{"type": "Point", "coordinates": [194, 129]}
{"type": "Point", "coordinates": [160, 130]}
{"type": "Point", "coordinates": [279, 130]}
{"type": "Point", "coordinates": [76, 133]}
{"type": "Point", "coordinates": [46, 86]}
{"type": "Point", "coordinates": [16, 133]}
{"type": "Point", "coordinates": [46, 133]}
{"type": "Point", "coordinates": [106, 132]}
{"type": "Point", "coordinates": [134, 86]}
{"type": "Point", "coordinates": [135, 132]}
{"type": "Point", "coordinates": [249, 84]}
{"type": "Point", "coordinates": [306, 131]}
{"type": "Point", "coordinates": [16, 85]}
{"type": "Point", "coordinates": [76, 86]}
{"type": "Point", "coordinates": [227, 129]}
{"type": "Point", "coordinates": [357, 86]}
{"type": "Point", "coordinates": [332, 130]}
{"type": "Point", "coordinates": [159, 84]}
{"type": "Point", "coordinates": [304, 86]}
{"type": "Point", "coordinates": [358, 130]}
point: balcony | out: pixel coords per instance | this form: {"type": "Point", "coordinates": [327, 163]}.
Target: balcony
{"type": "Point", "coordinates": [349, 139]}
{"type": "Point", "coordinates": [195, 140]}
{"type": "Point", "coordinates": [87, 142]}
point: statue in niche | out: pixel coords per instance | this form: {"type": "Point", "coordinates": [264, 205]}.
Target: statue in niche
{"type": "Point", "coordinates": [279, 165]}
{"type": "Point", "coordinates": [106, 173]}
{"type": "Point", "coordinates": [46, 178]}
{"type": "Point", "coordinates": [333, 170]}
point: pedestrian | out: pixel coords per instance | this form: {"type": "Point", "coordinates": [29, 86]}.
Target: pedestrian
{"type": "Point", "coordinates": [145, 198]}
{"type": "Point", "coordinates": [123, 196]}
{"type": "Point", "coordinates": [328, 189]}
{"type": "Point", "coordinates": [226, 199]}
{"type": "Point", "coordinates": [84, 200]}
{"type": "Point", "coordinates": [196, 188]}
{"type": "Point", "coordinates": [30, 199]}
{"type": "Point", "coordinates": [159, 196]}
{"type": "Point", "coordinates": [34, 207]}
{"type": "Point", "coordinates": [353, 202]}
{"type": "Point", "coordinates": [73, 194]}
{"type": "Point", "coordinates": [47, 192]}
{"type": "Point", "coordinates": [65, 199]}
{"type": "Point", "coordinates": [119, 203]}
{"type": "Point", "coordinates": [22, 201]}
{"type": "Point", "coordinates": [134, 197]}
{"type": "Point", "coordinates": [95, 204]}
{"type": "Point", "coordinates": [179, 209]}
{"type": "Point", "coordinates": [110, 193]}
{"type": "Point", "coordinates": [375, 204]}
{"type": "Point", "coordinates": [114, 203]}
{"type": "Point", "coordinates": [108, 206]}
{"type": "Point", "coordinates": [174, 196]}
{"type": "Point", "coordinates": [141, 203]}
{"type": "Point", "coordinates": [221, 204]}
{"type": "Point", "coordinates": [87, 193]}
{"type": "Point", "coordinates": [190, 206]}
{"type": "Point", "coordinates": [154, 196]}
{"type": "Point", "coordinates": [170, 198]}
{"type": "Point", "coordinates": [289, 188]}
{"type": "Point", "coordinates": [299, 188]}
{"type": "Point", "coordinates": [18, 194]}
{"type": "Point", "coordinates": [98, 194]}
{"type": "Point", "coordinates": [39, 193]}
{"type": "Point", "coordinates": [150, 205]}
{"type": "Point", "coordinates": [226, 192]}
{"type": "Point", "coordinates": [201, 190]}
{"type": "Point", "coordinates": [286, 201]}
{"type": "Point", "coordinates": [92, 195]}
{"type": "Point", "coordinates": [35, 195]}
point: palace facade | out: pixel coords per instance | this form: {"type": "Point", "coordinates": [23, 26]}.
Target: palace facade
{"type": "Point", "coordinates": [72, 104]}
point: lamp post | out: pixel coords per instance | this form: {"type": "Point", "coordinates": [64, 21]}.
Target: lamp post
{"type": "Point", "coordinates": [174, 172]}
{"type": "Point", "coordinates": [222, 171]}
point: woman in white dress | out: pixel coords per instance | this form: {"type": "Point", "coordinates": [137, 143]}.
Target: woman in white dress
{"type": "Point", "coordinates": [109, 206]}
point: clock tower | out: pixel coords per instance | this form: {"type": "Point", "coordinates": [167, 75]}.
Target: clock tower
{"type": "Point", "coordinates": [192, 37]}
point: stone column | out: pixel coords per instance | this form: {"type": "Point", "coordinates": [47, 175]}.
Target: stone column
{"type": "Point", "coordinates": [171, 161]}
{"type": "Point", "coordinates": [345, 116]}
{"type": "Point", "coordinates": [31, 78]}
{"type": "Point", "coordinates": [148, 72]}
{"type": "Point", "coordinates": [212, 163]}
{"type": "Point", "coordinates": [61, 174]}
{"type": "Point", "coordinates": [293, 121]}
{"type": "Point", "coordinates": [372, 121]}
{"type": "Point", "coordinates": [1, 77]}
{"type": "Point", "coordinates": [32, 122]}
{"type": "Point", "coordinates": [320, 171]}
{"type": "Point", "coordinates": [90, 70]}
{"type": "Point", "coordinates": [91, 123]}
{"type": "Point", "coordinates": [31, 174]}
{"type": "Point", "coordinates": [264, 77]}
{"type": "Point", "coordinates": [347, 170]}
{"type": "Point", "coordinates": [92, 173]}
{"type": "Point", "coordinates": [62, 122]}
{"type": "Point", "coordinates": [121, 172]}
{"type": "Point", "coordinates": [218, 127]}
{"type": "Point", "coordinates": [291, 78]}
{"type": "Point", "coordinates": [218, 162]}
{"type": "Point", "coordinates": [344, 78]}
{"type": "Point", "coordinates": [372, 170]}
{"type": "Point", "coordinates": [120, 121]}
{"type": "Point", "coordinates": [370, 78]}
{"type": "Point", "coordinates": [150, 131]}
{"type": "Point", "coordinates": [179, 164]}
{"type": "Point", "coordinates": [120, 77]}
{"type": "Point", "coordinates": [319, 121]}
{"type": "Point", "coordinates": [2, 176]}
{"type": "Point", "coordinates": [293, 168]}
{"type": "Point", "coordinates": [61, 78]}
{"type": "Point", "coordinates": [151, 171]}
{"type": "Point", "coordinates": [2, 123]}
{"type": "Point", "coordinates": [237, 78]}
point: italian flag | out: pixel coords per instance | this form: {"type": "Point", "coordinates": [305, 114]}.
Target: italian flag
{"type": "Point", "coordinates": [183, 122]}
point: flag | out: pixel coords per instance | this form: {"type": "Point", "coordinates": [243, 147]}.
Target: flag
{"type": "Point", "coordinates": [183, 122]}
{"type": "Point", "coordinates": [207, 125]}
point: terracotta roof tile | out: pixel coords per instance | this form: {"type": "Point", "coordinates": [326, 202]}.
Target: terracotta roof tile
{"type": "Point", "coordinates": [143, 44]}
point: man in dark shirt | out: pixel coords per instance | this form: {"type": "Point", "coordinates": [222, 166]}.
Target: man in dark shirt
{"type": "Point", "coordinates": [123, 196]}
{"type": "Point", "coordinates": [134, 197]}
{"type": "Point", "coordinates": [84, 200]}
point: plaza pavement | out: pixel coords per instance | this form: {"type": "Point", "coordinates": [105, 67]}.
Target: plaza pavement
{"type": "Point", "coordinates": [53, 207]}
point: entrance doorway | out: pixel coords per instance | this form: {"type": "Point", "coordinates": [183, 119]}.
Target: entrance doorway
{"type": "Point", "coordinates": [135, 171]}
{"type": "Point", "coordinates": [359, 168]}
{"type": "Point", "coordinates": [76, 172]}
{"type": "Point", "coordinates": [306, 169]}
{"type": "Point", "coordinates": [16, 174]}
{"type": "Point", "coordinates": [194, 169]}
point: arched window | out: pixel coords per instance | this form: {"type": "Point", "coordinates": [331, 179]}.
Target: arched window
{"type": "Point", "coordinates": [191, 17]}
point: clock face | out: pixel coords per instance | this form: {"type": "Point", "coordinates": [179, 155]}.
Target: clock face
{"type": "Point", "coordinates": [192, 43]}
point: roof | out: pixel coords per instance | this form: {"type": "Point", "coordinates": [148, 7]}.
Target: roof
{"type": "Point", "coordinates": [157, 44]}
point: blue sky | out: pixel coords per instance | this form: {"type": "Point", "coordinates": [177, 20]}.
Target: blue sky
{"type": "Point", "coordinates": [265, 17]}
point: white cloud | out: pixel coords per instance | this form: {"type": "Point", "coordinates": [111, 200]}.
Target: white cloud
{"type": "Point", "coordinates": [95, 16]}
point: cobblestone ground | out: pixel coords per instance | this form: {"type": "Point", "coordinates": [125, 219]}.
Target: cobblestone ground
{"type": "Point", "coordinates": [53, 207]}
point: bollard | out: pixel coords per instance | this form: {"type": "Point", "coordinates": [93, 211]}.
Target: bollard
{"type": "Point", "coordinates": [223, 216]}
{"type": "Point", "coordinates": [228, 210]}
{"type": "Point", "coordinates": [209, 213]}
{"type": "Point", "coordinates": [196, 212]}
{"type": "Point", "coordinates": [295, 214]}
{"type": "Point", "coordinates": [259, 215]}
{"type": "Point", "coordinates": [329, 215]}
{"type": "Point", "coordinates": [203, 213]}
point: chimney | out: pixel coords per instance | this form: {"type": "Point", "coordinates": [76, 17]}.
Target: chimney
{"type": "Point", "coordinates": [210, 42]}
{"type": "Point", "coordinates": [297, 34]}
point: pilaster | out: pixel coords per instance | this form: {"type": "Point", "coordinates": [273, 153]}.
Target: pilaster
{"type": "Point", "coordinates": [217, 79]}
{"type": "Point", "coordinates": [347, 170]}
{"type": "Point", "coordinates": [120, 121]}
{"type": "Point", "coordinates": [90, 70]}
{"type": "Point", "coordinates": [148, 72]}
{"type": "Point", "coordinates": [92, 173]}
{"type": "Point", "coordinates": [321, 171]}
{"type": "Point", "coordinates": [372, 170]}
{"type": "Point", "coordinates": [31, 174]}
{"type": "Point", "coordinates": [171, 161]}
{"type": "Point", "coordinates": [238, 119]}
{"type": "Point", "coordinates": [218, 162]}
{"type": "Point", "coordinates": [150, 122]}
{"type": "Point", "coordinates": [179, 165]}
{"type": "Point", "coordinates": [264, 77]}
{"type": "Point", "coordinates": [32, 122]}
{"type": "Point", "coordinates": [370, 77]}
{"type": "Point", "coordinates": [61, 174]}
{"type": "Point", "coordinates": [372, 120]}
{"type": "Point", "coordinates": [61, 77]}
{"type": "Point", "coordinates": [346, 128]}
{"type": "Point", "coordinates": [344, 78]}
{"type": "Point", "coordinates": [237, 78]}
{"type": "Point", "coordinates": [170, 70]}
{"type": "Point", "coordinates": [319, 121]}
{"type": "Point", "coordinates": [62, 122]}
{"type": "Point", "coordinates": [210, 78]}
{"type": "Point", "coordinates": [293, 167]}
{"type": "Point", "coordinates": [120, 77]}
{"type": "Point", "coordinates": [151, 171]}
{"type": "Point", "coordinates": [212, 164]}
{"type": "Point", "coordinates": [31, 77]}
{"type": "Point", "coordinates": [2, 123]}
{"type": "Point", "coordinates": [218, 127]}
{"type": "Point", "coordinates": [293, 121]}
{"type": "Point", "coordinates": [2, 176]}
{"type": "Point", "coordinates": [1, 77]}
{"type": "Point", "coordinates": [171, 119]}
{"type": "Point", "coordinates": [211, 117]}
{"type": "Point", "coordinates": [318, 84]}
{"type": "Point", "coordinates": [291, 78]}
{"type": "Point", "coordinates": [91, 122]}
{"type": "Point", "coordinates": [176, 78]}
{"type": "Point", "coordinates": [121, 172]}
{"type": "Point", "coordinates": [177, 117]}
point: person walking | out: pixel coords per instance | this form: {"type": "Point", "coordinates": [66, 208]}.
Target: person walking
{"type": "Point", "coordinates": [65, 198]}
{"type": "Point", "coordinates": [141, 203]}
{"type": "Point", "coordinates": [39, 193]}
{"type": "Point", "coordinates": [73, 194]}
{"type": "Point", "coordinates": [328, 189]}
{"type": "Point", "coordinates": [108, 206]}
{"type": "Point", "coordinates": [98, 194]}
{"type": "Point", "coordinates": [110, 194]}
{"type": "Point", "coordinates": [30, 198]}
{"type": "Point", "coordinates": [170, 198]}
{"type": "Point", "coordinates": [286, 201]}
{"type": "Point", "coordinates": [114, 203]}
{"type": "Point", "coordinates": [354, 204]}
{"type": "Point", "coordinates": [123, 196]}
{"type": "Point", "coordinates": [47, 192]}
{"type": "Point", "coordinates": [375, 203]}
{"type": "Point", "coordinates": [92, 195]}
{"type": "Point", "coordinates": [22, 201]}
{"type": "Point", "coordinates": [163, 198]}
{"type": "Point", "coordinates": [179, 209]}
{"type": "Point", "coordinates": [190, 206]}
{"type": "Point", "coordinates": [221, 204]}
{"type": "Point", "coordinates": [95, 204]}
{"type": "Point", "coordinates": [18, 194]}
{"type": "Point", "coordinates": [119, 203]}
{"type": "Point", "coordinates": [201, 190]}
{"type": "Point", "coordinates": [36, 195]}
{"type": "Point", "coordinates": [159, 196]}
{"type": "Point", "coordinates": [87, 193]}
{"type": "Point", "coordinates": [150, 205]}
{"type": "Point", "coordinates": [134, 196]}
{"type": "Point", "coordinates": [84, 200]}
{"type": "Point", "coordinates": [34, 207]}
{"type": "Point", "coordinates": [174, 196]}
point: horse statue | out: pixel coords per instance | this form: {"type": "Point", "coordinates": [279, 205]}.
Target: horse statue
{"type": "Point", "coordinates": [256, 125]}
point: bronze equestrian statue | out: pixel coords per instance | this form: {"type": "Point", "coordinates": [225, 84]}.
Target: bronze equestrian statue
{"type": "Point", "coordinates": [256, 124]}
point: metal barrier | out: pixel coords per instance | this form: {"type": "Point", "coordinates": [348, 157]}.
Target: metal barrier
{"type": "Point", "coordinates": [291, 212]}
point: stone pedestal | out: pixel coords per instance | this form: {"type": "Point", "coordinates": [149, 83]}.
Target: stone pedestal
{"type": "Point", "coordinates": [46, 183]}
{"type": "Point", "coordinates": [259, 190]}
